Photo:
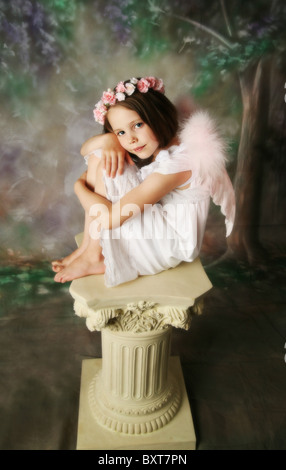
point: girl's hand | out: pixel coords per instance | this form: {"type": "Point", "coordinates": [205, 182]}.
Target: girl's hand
{"type": "Point", "coordinates": [114, 155]}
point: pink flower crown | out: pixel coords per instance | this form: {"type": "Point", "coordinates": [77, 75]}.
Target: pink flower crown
{"type": "Point", "coordinates": [122, 91]}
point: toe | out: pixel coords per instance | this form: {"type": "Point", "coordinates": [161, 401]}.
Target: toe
{"type": "Point", "coordinates": [58, 277]}
{"type": "Point", "coordinates": [57, 268]}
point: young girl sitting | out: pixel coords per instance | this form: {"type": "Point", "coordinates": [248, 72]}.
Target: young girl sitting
{"type": "Point", "coordinates": [143, 218]}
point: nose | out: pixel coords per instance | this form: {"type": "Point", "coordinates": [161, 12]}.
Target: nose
{"type": "Point", "coordinates": [132, 138]}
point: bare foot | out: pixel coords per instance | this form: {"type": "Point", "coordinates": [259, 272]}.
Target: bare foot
{"type": "Point", "coordinates": [60, 264]}
{"type": "Point", "coordinates": [83, 265]}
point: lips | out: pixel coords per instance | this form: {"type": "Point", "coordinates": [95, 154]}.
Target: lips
{"type": "Point", "coordinates": [138, 149]}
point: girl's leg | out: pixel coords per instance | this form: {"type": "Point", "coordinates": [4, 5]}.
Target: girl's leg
{"type": "Point", "coordinates": [91, 261]}
{"type": "Point", "coordinates": [88, 259]}
{"type": "Point", "coordinates": [58, 265]}
{"type": "Point", "coordinates": [94, 178]}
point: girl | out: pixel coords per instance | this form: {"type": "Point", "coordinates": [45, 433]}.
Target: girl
{"type": "Point", "coordinates": [151, 216]}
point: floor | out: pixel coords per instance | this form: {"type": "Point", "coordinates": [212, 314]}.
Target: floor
{"type": "Point", "coordinates": [233, 359]}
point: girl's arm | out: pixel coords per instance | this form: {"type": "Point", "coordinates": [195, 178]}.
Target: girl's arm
{"type": "Point", "coordinates": [153, 188]}
{"type": "Point", "coordinates": [87, 196]}
{"type": "Point", "coordinates": [151, 191]}
{"type": "Point", "coordinates": [113, 154]}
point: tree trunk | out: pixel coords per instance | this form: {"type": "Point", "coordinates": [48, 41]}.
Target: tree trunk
{"type": "Point", "coordinates": [244, 240]}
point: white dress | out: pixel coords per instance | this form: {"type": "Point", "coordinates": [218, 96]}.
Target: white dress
{"type": "Point", "coordinates": [166, 233]}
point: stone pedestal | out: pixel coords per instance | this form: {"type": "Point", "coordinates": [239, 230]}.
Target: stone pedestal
{"type": "Point", "coordinates": [135, 397]}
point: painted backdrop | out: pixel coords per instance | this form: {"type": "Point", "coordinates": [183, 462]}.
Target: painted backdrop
{"type": "Point", "coordinates": [58, 55]}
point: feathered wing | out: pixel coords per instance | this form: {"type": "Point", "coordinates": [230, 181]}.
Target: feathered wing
{"type": "Point", "coordinates": [207, 154]}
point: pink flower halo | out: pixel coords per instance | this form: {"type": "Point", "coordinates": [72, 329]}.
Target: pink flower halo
{"type": "Point", "coordinates": [122, 91]}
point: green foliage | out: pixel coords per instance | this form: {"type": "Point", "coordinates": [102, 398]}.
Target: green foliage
{"type": "Point", "coordinates": [26, 282]}
{"type": "Point", "coordinates": [253, 31]}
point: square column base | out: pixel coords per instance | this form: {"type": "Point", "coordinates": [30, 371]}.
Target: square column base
{"type": "Point", "coordinates": [178, 434]}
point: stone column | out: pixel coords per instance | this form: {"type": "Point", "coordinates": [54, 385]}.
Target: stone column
{"type": "Point", "coordinates": [134, 393]}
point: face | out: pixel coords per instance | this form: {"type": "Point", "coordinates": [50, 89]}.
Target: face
{"type": "Point", "coordinates": [133, 134]}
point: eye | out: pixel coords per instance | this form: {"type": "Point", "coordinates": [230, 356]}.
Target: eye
{"type": "Point", "coordinates": [138, 125]}
{"type": "Point", "coordinates": [120, 133]}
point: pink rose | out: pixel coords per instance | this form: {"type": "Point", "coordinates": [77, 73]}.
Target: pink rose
{"type": "Point", "coordinates": [143, 85]}
{"type": "Point", "coordinates": [120, 88]}
{"type": "Point", "coordinates": [159, 86]}
{"type": "Point", "coordinates": [152, 81]}
{"type": "Point", "coordinates": [101, 107]}
{"type": "Point", "coordinates": [108, 97]}
{"type": "Point", "coordinates": [99, 112]}
{"type": "Point", "coordinates": [98, 115]}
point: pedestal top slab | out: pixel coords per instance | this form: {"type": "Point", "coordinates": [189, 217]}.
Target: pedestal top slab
{"type": "Point", "coordinates": [176, 286]}
{"type": "Point", "coordinates": [169, 293]}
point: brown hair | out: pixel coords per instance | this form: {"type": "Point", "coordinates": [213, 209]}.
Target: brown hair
{"type": "Point", "coordinates": [156, 110]}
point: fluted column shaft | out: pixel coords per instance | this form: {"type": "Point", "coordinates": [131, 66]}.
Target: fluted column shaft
{"type": "Point", "coordinates": [135, 366]}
